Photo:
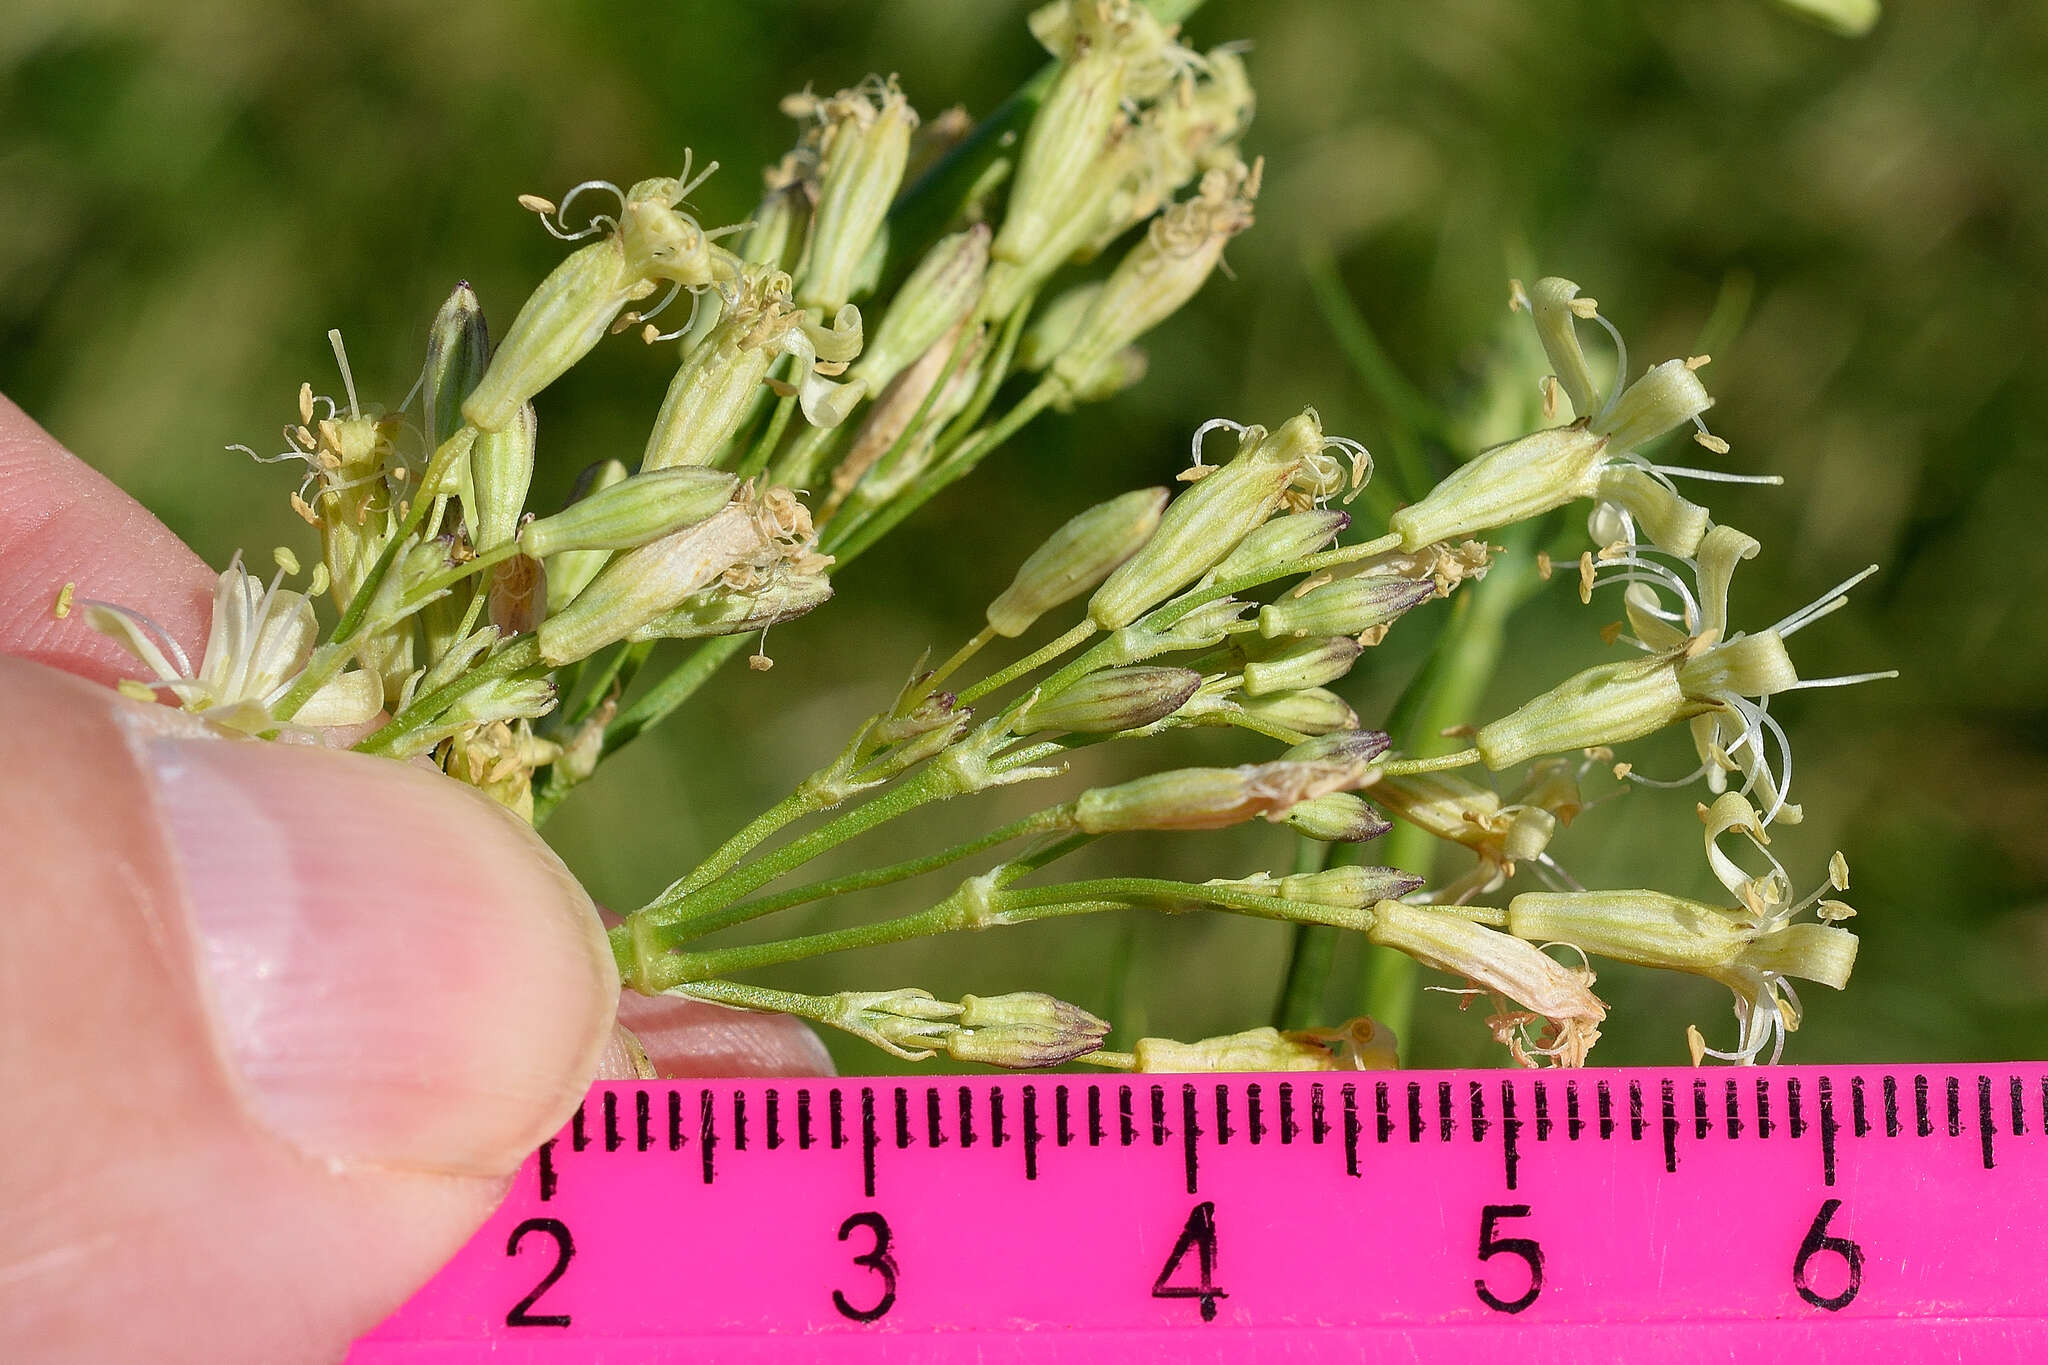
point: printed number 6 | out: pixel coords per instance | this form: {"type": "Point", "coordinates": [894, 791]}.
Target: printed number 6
{"type": "Point", "coordinates": [1524, 1247]}
{"type": "Point", "coordinates": [877, 1259]}
{"type": "Point", "coordinates": [1817, 1241]}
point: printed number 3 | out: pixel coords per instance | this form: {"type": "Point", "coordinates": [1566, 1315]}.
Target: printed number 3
{"type": "Point", "coordinates": [1491, 1246]}
{"type": "Point", "coordinates": [877, 1259]}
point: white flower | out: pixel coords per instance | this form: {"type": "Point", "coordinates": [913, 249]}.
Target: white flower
{"type": "Point", "coordinates": [259, 642]}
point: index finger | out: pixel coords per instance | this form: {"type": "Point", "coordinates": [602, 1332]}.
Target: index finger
{"type": "Point", "coordinates": [62, 521]}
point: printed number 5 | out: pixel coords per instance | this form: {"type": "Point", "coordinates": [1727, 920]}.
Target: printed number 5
{"type": "Point", "coordinates": [877, 1259]}
{"type": "Point", "coordinates": [1524, 1247]}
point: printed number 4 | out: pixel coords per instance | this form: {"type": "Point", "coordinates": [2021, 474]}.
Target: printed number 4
{"type": "Point", "coordinates": [1491, 1246]}
{"type": "Point", "coordinates": [1198, 1234]}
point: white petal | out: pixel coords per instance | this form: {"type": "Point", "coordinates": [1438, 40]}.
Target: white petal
{"type": "Point", "coordinates": [351, 699]}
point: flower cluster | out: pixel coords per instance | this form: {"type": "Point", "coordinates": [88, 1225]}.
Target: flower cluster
{"type": "Point", "coordinates": [858, 338]}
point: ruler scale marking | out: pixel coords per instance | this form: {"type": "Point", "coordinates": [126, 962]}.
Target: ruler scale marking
{"type": "Point", "coordinates": [1857, 1238]}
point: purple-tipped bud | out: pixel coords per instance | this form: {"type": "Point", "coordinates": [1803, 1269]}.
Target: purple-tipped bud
{"type": "Point", "coordinates": [1283, 540]}
{"type": "Point", "coordinates": [1308, 711]}
{"type": "Point", "coordinates": [1311, 663]}
{"type": "Point", "coordinates": [1349, 606]}
{"type": "Point", "coordinates": [1339, 818]}
{"type": "Point", "coordinates": [1023, 1029]}
{"type": "Point", "coordinates": [1076, 557]}
{"type": "Point", "coordinates": [1111, 700]}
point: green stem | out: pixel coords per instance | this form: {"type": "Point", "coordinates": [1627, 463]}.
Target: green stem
{"type": "Point", "coordinates": [1409, 767]}
{"type": "Point", "coordinates": [860, 537]}
{"type": "Point", "coordinates": [1028, 664]}
{"type": "Point", "coordinates": [1446, 692]}
{"type": "Point", "coordinates": [1309, 956]}
{"type": "Point", "coordinates": [1039, 822]}
{"type": "Point", "coordinates": [521, 654]}
{"type": "Point", "coordinates": [677, 905]}
{"type": "Point", "coordinates": [1413, 414]}
{"type": "Point", "coordinates": [672, 691]}
{"type": "Point", "coordinates": [757, 458]}
{"type": "Point", "coordinates": [330, 658]}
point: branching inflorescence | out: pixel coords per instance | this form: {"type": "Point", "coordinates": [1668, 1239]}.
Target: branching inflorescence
{"type": "Point", "coordinates": [832, 375]}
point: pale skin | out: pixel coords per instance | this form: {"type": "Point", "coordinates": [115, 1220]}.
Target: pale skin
{"type": "Point", "coordinates": [277, 1023]}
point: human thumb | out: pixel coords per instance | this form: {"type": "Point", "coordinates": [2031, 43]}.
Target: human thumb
{"type": "Point", "coordinates": [276, 1025]}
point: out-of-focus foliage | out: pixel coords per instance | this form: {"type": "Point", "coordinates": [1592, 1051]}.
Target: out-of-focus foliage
{"type": "Point", "coordinates": [191, 194]}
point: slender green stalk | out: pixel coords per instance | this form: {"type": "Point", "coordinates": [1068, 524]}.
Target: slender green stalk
{"type": "Point", "coordinates": [1039, 822]}
{"type": "Point", "coordinates": [517, 657]}
{"type": "Point", "coordinates": [1029, 664]}
{"type": "Point", "coordinates": [1446, 692]}
{"type": "Point", "coordinates": [1310, 955]}
{"type": "Point", "coordinates": [757, 458]}
{"type": "Point", "coordinates": [329, 659]}
{"type": "Point", "coordinates": [677, 904]}
{"type": "Point", "coordinates": [885, 519]}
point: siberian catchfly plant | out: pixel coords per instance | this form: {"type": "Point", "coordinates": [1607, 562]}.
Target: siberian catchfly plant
{"type": "Point", "coordinates": [909, 294]}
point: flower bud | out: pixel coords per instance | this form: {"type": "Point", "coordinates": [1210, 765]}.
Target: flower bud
{"type": "Point", "coordinates": [500, 473]}
{"type": "Point", "coordinates": [1347, 607]}
{"type": "Point", "coordinates": [649, 243]}
{"type": "Point", "coordinates": [1113, 374]}
{"type": "Point", "coordinates": [631, 512]}
{"type": "Point", "coordinates": [1346, 746]}
{"type": "Point", "coordinates": [1164, 270]}
{"type": "Point", "coordinates": [1204, 627]}
{"type": "Point", "coordinates": [863, 144]}
{"type": "Point", "coordinates": [458, 349]}
{"type": "Point", "coordinates": [1110, 700]}
{"type": "Point", "coordinates": [642, 583]}
{"type": "Point", "coordinates": [1023, 1029]}
{"type": "Point", "coordinates": [1055, 326]}
{"type": "Point", "coordinates": [779, 221]}
{"type": "Point", "coordinates": [1555, 306]}
{"type": "Point", "coordinates": [1340, 818]}
{"type": "Point", "coordinates": [1307, 663]}
{"type": "Point", "coordinates": [1604, 705]}
{"type": "Point", "coordinates": [556, 327]}
{"type": "Point", "coordinates": [1073, 124]}
{"type": "Point", "coordinates": [1208, 521]}
{"type": "Point", "coordinates": [1667, 396]}
{"type": "Point", "coordinates": [1509, 483]}
{"type": "Point", "coordinates": [1210, 798]}
{"type": "Point", "coordinates": [905, 1023]}
{"type": "Point", "coordinates": [1488, 958]}
{"type": "Point", "coordinates": [1307, 710]}
{"type": "Point", "coordinates": [1076, 557]}
{"type": "Point", "coordinates": [1283, 540]}
{"type": "Point", "coordinates": [1347, 887]}
{"type": "Point", "coordinates": [722, 610]}
{"type": "Point", "coordinates": [1672, 522]}
{"type": "Point", "coordinates": [570, 571]}
{"type": "Point", "coordinates": [1258, 1049]}
{"type": "Point", "coordinates": [939, 293]}
{"type": "Point", "coordinates": [1652, 929]}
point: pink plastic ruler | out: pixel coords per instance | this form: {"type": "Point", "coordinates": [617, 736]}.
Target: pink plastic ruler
{"type": "Point", "coordinates": [1882, 1214]}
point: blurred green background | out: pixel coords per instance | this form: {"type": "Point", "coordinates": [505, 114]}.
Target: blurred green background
{"type": "Point", "coordinates": [191, 194]}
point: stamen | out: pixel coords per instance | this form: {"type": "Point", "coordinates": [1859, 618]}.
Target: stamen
{"type": "Point", "coordinates": [1832, 600]}
{"type": "Point", "coordinates": [175, 651]}
{"type": "Point", "coordinates": [348, 380]}
{"type": "Point", "coordinates": [690, 185]}
{"type": "Point", "coordinates": [1213, 424]}
{"type": "Point", "coordinates": [1844, 680]}
{"type": "Point", "coordinates": [1719, 476]}
{"type": "Point", "coordinates": [1620, 364]}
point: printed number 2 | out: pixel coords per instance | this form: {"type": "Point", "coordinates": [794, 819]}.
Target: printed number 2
{"type": "Point", "coordinates": [1524, 1247]}
{"type": "Point", "coordinates": [1199, 1235]}
{"type": "Point", "coordinates": [877, 1259]}
{"type": "Point", "coordinates": [1818, 1240]}
{"type": "Point", "coordinates": [522, 1314]}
